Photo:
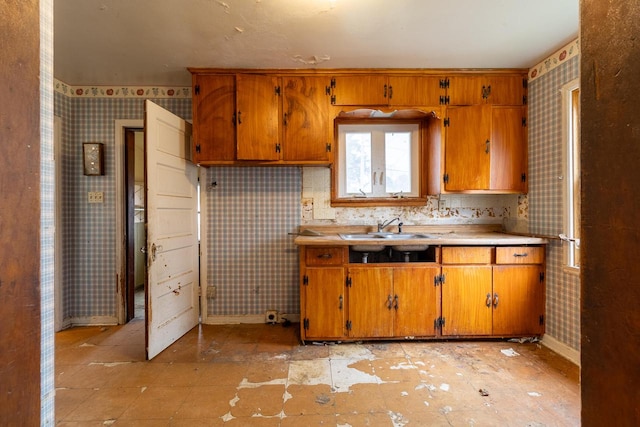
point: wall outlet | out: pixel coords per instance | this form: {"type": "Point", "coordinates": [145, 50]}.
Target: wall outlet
{"type": "Point", "coordinates": [442, 204]}
{"type": "Point", "coordinates": [271, 316]}
{"type": "Point", "coordinates": [95, 196]}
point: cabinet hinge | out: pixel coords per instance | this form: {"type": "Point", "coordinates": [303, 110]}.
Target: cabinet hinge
{"type": "Point", "coordinates": [277, 90]}
{"type": "Point", "coordinates": [327, 90]}
{"type": "Point", "coordinates": [438, 323]}
{"type": "Point", "coordinates": [305, 323]}
{"type": "Point", "coordinates": [524, 122]}
{"type": "Point", "coordinates": [447, 122]}
{"type": "Point", "coordinates": [486, 91]}
{"type": "Point", "coordinates": [523, 177]}
{"type": "Point", "coordinates": [524, 100]}
{"type": "Point", "coordinates": [348, 282]}
{"type": "Point", "coordinates": [305, 280]}
{"type": "Point", "coordinates": [328, 147]}
{"type": "Point", "coordinates": [333, 83]}
{"type": "Point", "coordinates": [438, 280]}
{"type": "Point", "coordinates": [196, 90]}
{"type": "Point", "coordinates": [444, 83]}
{"type": "Point", "coordinates": [348, 325]}
{"type": "Point", "coordinates": [444, 100]}
{"type": "Point", "coordinates": [541, 277]}
{"type": "Point", "coordinates": [277, 147]}
{"type": "Point", "coordinates": [197, 148]}
{"type": "Point", "coordinates": [445, 178]}
{"type": "Point", "coordinates": [525, 83]}
{"type": "Point", "coordinates": [333, 100]}
{"type": "Point", "coordinates": [541, 320]}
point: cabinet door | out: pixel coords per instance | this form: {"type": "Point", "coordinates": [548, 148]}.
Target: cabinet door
{"type": "Point", "coordinates": [258, 117]}
{"type": "Point", "coordinates": [466, 90]}
{"type": "Point", "coordinates": [467, 148]}
{"type": "Point", "coordinates": [308, 125]}
{"type": "Point", "coordinates": [508, 149]}
{"type": "Point", "coordinates": [518, 300]}
{"type": "Point", "coordinates": [415, 301]}
{"type": "Point", "coordinates": [483, 89]}
{"type": "Point", "coordinates": [360, 90]}
{"type": "Point", "coordinates": [466, 300]}
{"type": "Point", "coordinates": [324, 303]}
{"type": "Point", "coordinates": [370, 302]}
{"type": "Point", "coordinates": [214, 103]}
{"type": "Point", "coordinates": [415, 90]}
{"type": "Point", "coordinates": [506, 90]}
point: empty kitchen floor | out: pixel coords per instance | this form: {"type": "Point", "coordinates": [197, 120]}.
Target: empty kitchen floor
{"type": "Point", "coordinates": [260, 375]}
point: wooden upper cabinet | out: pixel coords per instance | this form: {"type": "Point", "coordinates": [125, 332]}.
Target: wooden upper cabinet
{"type": "Point", "coordinates": [307, 122]}
{"type": "Point", "coordinates": [485, 149]}
{"type": "Point", "coordinates": [415, 90]}
{"type": "Point", "coordinates": [467, 149]}
{"type": "Point", "coordinates": [508, 149]}
{"type": "Point", "coordinates": [258, 117]}
{"type": "Point", "coordinates": [360, 90]}
{"type": "Point", "coordinates": [487, 89]}
{"type": "Point", "coordinates": [213, 101]}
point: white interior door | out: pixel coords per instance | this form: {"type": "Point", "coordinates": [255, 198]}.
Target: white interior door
{"type": "Point", "coordinates": [172, 230]}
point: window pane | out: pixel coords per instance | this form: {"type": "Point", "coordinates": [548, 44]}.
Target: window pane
{"type": "Point", "coordinates": [358, 162]}
{"type": "Point", "coordinates": [397, 151]}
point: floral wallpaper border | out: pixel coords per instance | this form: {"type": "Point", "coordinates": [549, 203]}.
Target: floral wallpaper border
{"type": "Point", "coordinates": [553, 61]}
{"type": "Point", "coordinates": [178, 92]}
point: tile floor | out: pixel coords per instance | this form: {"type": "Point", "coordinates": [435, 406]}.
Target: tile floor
{"type": "Point", "coordinates": [260, 375]}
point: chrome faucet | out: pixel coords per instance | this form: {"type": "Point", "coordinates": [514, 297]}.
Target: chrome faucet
{"type": "Point", "coordinates": [381, 226]}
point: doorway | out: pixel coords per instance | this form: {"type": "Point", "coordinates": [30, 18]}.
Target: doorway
{"type": "Point", "coordinates": [136, 239]}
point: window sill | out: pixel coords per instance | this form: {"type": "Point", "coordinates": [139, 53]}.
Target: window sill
{"type": "Point", "coordinates": [378, 201]}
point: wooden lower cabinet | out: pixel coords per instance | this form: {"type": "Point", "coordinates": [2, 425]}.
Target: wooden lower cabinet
{"type": "Point", "coordinates": [324, 304]}
{"type": "Point", "coordinates": [392, 301]}
{"type": "Point", "coordinates": [475, 292]}
{"type": "Point", "coordinates": [518, 300]}
{"type": "Point", "coordinates": [495, 299]}
{"type": "Point", "coordinates": [466, 300]}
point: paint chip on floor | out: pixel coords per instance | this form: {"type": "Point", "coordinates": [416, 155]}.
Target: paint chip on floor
{"type": "Point", "coordinates": [509, 352]}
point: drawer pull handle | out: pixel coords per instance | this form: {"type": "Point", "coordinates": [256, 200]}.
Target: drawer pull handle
{"type": "Point", "coordinates": [395, 305]}
{"type": "Point", "coordinates": [390, 302]}
{"type": "Point", "coordinates": [488, 301]}
{"type": "Point", "coordinates": [325, 256]}
{"type": "Point", "coordinates": [495, 300]}
{"type": "Point", "coordinates": [340, 304]}
{"type": "Point", "coordinates": [521, 255]}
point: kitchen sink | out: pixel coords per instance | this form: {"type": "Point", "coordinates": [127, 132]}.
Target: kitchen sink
{"type": "Point", "coordinates": [386, 236]}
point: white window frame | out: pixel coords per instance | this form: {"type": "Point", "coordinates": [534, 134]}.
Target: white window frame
{"type": "Point", "coordinates": [378, 129]}
{"type": "Point", "coordinates": [570, 233]}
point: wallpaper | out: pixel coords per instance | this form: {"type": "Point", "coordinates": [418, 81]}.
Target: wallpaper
{"type": "Point", "coordinates": [545, 198]}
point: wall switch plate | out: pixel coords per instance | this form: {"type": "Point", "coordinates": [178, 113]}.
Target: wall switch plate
{"type": "Point", "coordinates": [95, 196]}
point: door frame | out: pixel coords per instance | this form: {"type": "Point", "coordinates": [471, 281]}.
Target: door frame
{"type": "Point", "coordinates": [121, 215]}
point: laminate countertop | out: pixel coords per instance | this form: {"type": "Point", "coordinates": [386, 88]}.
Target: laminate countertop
{"type": "Point", "coordinates": [412, 235]}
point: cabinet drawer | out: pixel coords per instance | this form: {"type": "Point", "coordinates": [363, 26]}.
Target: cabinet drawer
{"type": "Point", "coordinates": [520, 255]}
{"type": "Point", "coordinates": [324, 256]}
{"type": "Point", "coordinates": [466, 255]}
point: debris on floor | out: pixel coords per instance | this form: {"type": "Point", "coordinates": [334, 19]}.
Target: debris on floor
{"type": "Point", "coordinates": [509, 352]}
{"type": "Point", "coordinates": [483, 392]}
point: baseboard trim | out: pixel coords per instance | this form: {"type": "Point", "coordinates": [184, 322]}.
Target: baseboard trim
{"type": "Point", "coordinates": [561, 348]}
{"type": "Point", "coordinates": [91, 321]}
{"type": "Point", "coordinates": [248, 318]}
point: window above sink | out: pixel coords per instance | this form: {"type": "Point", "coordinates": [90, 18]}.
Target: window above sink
{"type": "Point", "coordinates": [380, 157]}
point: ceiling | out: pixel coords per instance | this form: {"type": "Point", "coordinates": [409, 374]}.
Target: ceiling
{"type": "Point", "coordinates": [152, 42]}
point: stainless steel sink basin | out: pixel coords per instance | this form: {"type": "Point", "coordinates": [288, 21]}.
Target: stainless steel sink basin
{"type": "Point", "coordinates": [410, 248]}
{"type": "Point", "coordinates": [386, 236]}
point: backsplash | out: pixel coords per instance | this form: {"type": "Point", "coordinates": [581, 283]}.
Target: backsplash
{"type": "Point", "coordinates": [455, 209]}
